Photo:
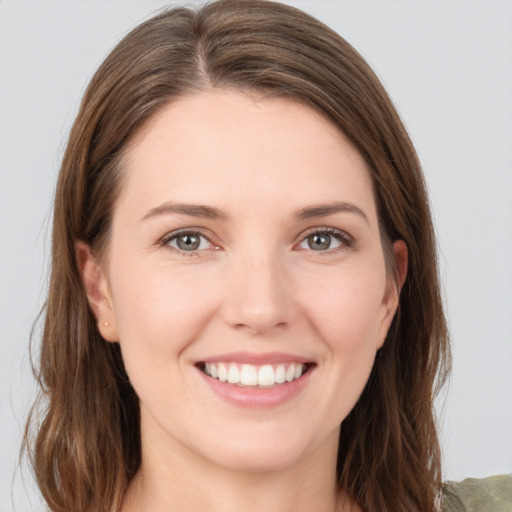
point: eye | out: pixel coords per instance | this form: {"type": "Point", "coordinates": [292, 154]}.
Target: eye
{"type": "Point", "coordinates": [326, 240]}
{"type": "Point", "coordinates": [187, 241]}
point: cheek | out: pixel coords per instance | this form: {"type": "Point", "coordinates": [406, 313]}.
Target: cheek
{"type": "Point", "coordinates": [340, 309]}
{"type": "Point", "coordinates": [159, 314]}
{"type": "Point", "coordinates": [158, 311]}
{"type": "Point", "coordinates": [346, 316]}
{"type": "Point", "coordinates": [347, 307]}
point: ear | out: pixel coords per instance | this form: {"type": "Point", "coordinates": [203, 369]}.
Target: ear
{"type": "Point", "coordinates": [394, 286]}
{"type": "Point", "coordinates": [97, 291]}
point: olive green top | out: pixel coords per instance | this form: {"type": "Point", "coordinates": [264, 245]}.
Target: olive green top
{"type": "Point", "coordinates": [493, 494]}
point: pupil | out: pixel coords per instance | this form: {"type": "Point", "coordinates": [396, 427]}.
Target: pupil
{"type": "Point", "coordinates": [188, 242]}
{"type": "Point", "coordinates": [319, 242]}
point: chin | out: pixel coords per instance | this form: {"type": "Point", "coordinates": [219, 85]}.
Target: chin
{"type": "Point", "coordinates": [256, 461]}
{"type": "Point", "coordinates": [264, 450]}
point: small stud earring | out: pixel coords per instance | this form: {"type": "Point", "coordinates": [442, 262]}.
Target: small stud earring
{"type": "Point", "coordinates": [106, 324]}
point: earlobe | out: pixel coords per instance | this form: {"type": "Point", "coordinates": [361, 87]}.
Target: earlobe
{"type": "Point", "coordinates": [394, 287]}
{"type": "Point", "coordinates": [97, 290]}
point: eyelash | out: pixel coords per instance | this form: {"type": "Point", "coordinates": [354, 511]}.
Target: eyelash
{"type": "Point", "coordinates": [345, 240]}
{"type": "Point", "coordinates": [167, 239]}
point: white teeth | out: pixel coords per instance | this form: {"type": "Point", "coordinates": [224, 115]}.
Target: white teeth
{"type": "Point", "coordinates": [233, 374]}
{"type": "Point", "coordinates": [222, 373]}
{"type": "Point", "coordinates": [250, 375]}
{"type": "Point", "coordinates": [266, 376]}
{"type": "Point", "coordinates": [280, 374]}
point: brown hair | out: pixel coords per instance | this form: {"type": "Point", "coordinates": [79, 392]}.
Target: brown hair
{"type": "Point", "coordinates": [83, 436]}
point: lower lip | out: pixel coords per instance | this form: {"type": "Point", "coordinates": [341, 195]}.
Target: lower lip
{"type": "Point", "coordinates": [257, 397]}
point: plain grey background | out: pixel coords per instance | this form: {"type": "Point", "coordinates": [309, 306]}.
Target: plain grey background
{"type": "Point", "coordinates": [447, 65]}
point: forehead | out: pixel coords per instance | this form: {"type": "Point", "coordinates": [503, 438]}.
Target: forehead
{"type": "Point", "coordinates": [229, 147]}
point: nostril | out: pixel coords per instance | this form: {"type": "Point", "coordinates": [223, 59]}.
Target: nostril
{"type": "Point", "coordinates": [259, 326]}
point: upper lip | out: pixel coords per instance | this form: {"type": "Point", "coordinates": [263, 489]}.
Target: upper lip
{"type": "Point", "coordinates": [256, 358]}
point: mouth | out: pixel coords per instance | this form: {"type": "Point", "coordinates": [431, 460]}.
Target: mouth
{"type": "Point", "coordinates": [262, 376]}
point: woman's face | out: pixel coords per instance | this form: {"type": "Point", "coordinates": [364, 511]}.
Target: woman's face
{"type": "Point", "coordinates": [245, 246]}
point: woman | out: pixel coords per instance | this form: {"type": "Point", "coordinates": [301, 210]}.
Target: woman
{"type": "Point", "coordinates": [239, 215]}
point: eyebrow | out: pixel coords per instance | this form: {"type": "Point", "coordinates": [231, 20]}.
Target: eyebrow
{"type": "Point", "coordinates": [192, 210]}
{"type": "Point", "coordinates": [324, 210]}
{"type": "Point", "coordinates": [210, 212]}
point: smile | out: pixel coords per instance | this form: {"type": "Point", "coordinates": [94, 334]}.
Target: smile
{"type": "Point", "coordinates": [249, 375]}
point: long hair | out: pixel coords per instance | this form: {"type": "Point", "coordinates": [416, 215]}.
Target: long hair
{"type": "Point", "coordinates": [83, 436]}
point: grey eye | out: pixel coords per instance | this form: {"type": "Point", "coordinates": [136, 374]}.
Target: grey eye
{"type": "Point", "coordinates": [188, 242]}
{"type": "Point", "coordinates": [319, 241]}
{"type": "Point", "coordinates": [325, 241]}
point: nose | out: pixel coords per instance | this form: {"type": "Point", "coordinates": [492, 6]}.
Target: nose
{"type": "Point", "coordinates": [259, 296]}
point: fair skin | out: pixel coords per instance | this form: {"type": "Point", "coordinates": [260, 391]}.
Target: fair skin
{"type": "Point", "coordinates": [245, 237]}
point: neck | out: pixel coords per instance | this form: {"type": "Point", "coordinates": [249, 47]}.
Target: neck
{"type": "Point", "coordinates": [172, 477]}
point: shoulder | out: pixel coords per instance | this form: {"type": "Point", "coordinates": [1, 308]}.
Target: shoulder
{"type": "Point", "coordinates": [493, 494]}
